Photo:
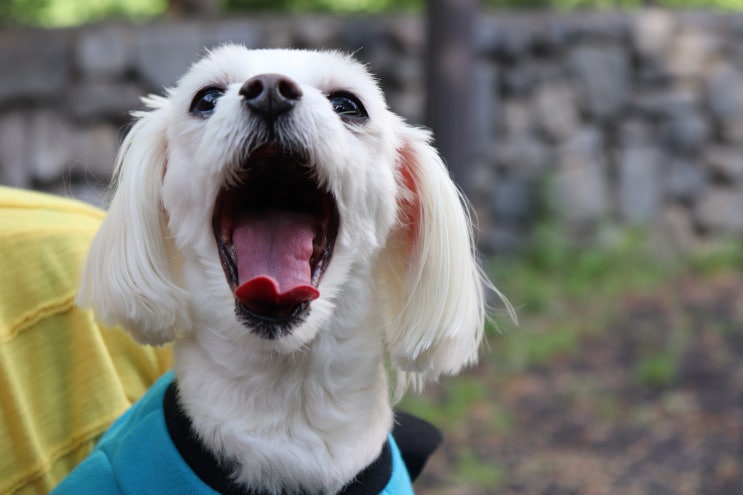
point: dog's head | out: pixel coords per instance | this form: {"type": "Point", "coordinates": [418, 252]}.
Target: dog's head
{"type": "Point", "coordinates": [271, 196]}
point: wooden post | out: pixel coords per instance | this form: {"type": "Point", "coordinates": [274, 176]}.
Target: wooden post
{"type": "Point", "coordinates": [449, 73]}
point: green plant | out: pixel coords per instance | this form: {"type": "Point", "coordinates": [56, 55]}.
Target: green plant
{"type": "Point", "coordinates": [448, 407]}
{"type": "Point", "coordinates": [716, 258]}
{"type": "Point", "coordinates": [656, 370]}
{"type": "Point", "coordinates": [555, 267]}
{"type": "Point", "coordinates": [473, 470]}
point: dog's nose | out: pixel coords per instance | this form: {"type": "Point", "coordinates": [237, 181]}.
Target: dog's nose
{"type": "Point", "coordinates": [270, 95]}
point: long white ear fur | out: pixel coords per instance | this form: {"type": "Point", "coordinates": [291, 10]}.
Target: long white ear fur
{"type": "Point", "coordinates": [126, 278]}
{"type": "Point", "coordinates": [433, 285]}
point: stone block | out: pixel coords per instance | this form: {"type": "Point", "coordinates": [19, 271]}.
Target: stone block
{"type": "Point", "coordinates": [503, 239]}
{"type": "Point", "coordinates": [14, 146]}
{"type": "Point", "coordinates": [318, 33]}
{"type": "Point", "coordinates": [98, 100]}
{"type": "Point", "coordinates": [580, 189]}
{"type": "Point", "coordinates": [93, 151]}
{"type": "Point", "coordinates": [523, 154]}
{"type": "Point", "coordinates": [105, 51]}
{"type": "Point", "coordinates": [638, 187]}
{"type": "Point", "coordinates": [408, 73]}
{"type": "Point", "coordinates": [686, 132]}
{"type": "Point", "coordinates": [589, 142]}
{"type": "Point", "coordinates": [725, 101]}
{"type": "Point", "coordinates": [480, 185]}
{"type": "Point", "coordinates": [659, 101]}
{"type": "Point", "coordinates": [684, 179]}
{"type": "Point", "coordinates": [555, 110]}
{"type": "Point", "coordinates": [518, 117]}
{"type": "Point", "coordinates": [652, 33]}
{"type": "Point", "coordinates": [408, 104]}
{"type": "Point", "coordinates": [603, 27]}
{"type": "Point", "coordinates": [165, 51]}
{"type": "Point", "coordinates": [601, 76]}
{"type": "Point", "coordinates": [487, 37]}
{"type": "Point", "coordinates": [723, 92]}
{"type": "Point", "coordinates": [633, 130]}
{"type": "Point", "coordinates": [33, 64]}
{"type": "Point", "coordinates": [518, 79]}
{"type": "Point", "coordinates": [518, 34]}
{"type": "Point", "coordinates": [725, 162]}
{"type": "Point", "coordinates": [394, 70]}
{"type": "Point", "coordinates": [407, 34]}
{"type": "Point", "coordinates": [50, 154]}
{"type": "Point", "coordinates": [692, 53]}
{"type": "Point", "coordinates": [277, 34]}
{"type": "Point", "coordinates": [248, 32]}
{"type": "Point", "coordinates": [61, 148]}
{"type": "Point", "coordinates": [719, 211]}
{"type": "Point", "coordinates": [731, 130]}
{"type": "Point", "coordinates": [512, 200]}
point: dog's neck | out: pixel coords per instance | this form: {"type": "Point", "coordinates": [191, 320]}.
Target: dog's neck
{"type": "Point", "coordinates": [307, 422]}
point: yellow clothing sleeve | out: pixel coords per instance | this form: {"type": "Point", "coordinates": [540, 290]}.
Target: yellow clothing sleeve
{"type": "Point", "coordinates": [63, 379]}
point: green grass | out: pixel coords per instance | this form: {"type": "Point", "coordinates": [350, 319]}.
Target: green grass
{"type": "Point", "coordinates": [721, 256]}
{"type": "Point", "coordinates": [555, 268]}
{"type": "Point", "coordinates": [656, 370]}
{"type": "Point", "coordinates": [532, 344]}
{"type": "Point", "coordinates": [450, 406]}
{"type": "Point", "coordinates": [471, 470]}
{"type": "Point", "coordinates": [564, 291]}
{"type": "Point", "coordinates": [567, 293]}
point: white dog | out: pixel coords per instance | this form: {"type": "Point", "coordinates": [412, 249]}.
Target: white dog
{"type": "Point", "coordinates": [297, 241]}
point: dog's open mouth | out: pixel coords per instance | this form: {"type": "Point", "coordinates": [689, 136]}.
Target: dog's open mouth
{"type": "Point", "coordinates": [275, 231]}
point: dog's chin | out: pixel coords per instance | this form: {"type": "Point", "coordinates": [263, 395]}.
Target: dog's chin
{"type": "Point", "coordinates": [275, 228]}
{"type": "Point", "coordinates": [248, 336]}
{"type": "Point", "coordinates": [272, 327]}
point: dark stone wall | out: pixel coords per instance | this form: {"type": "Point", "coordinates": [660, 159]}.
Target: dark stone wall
{"type": "Point", "coordinates": [595, 119]}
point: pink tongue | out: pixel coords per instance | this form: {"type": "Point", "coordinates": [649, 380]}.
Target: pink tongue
{"type": "Point", "coordinates": [273, 260]}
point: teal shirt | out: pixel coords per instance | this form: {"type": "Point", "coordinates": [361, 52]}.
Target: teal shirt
{"type": "Point", "coordinates": [137, 456]}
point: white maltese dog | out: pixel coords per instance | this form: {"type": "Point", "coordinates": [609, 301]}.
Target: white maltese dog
{"type": "Point", "coordinates": [298, 242]}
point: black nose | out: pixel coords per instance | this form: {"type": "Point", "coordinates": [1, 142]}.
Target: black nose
{"type": "Point", "coordinates": [270, 95]}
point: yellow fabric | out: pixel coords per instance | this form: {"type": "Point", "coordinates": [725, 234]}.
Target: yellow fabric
{"type": "Point", "coordinates": [63, 379]}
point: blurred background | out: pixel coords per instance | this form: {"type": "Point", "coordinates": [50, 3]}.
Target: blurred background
{"type": "Point", "coordinates": [601, 145]}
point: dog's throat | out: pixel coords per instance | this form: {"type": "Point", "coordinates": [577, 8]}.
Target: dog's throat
{"type": "Point", "coordinates": [272, 253]}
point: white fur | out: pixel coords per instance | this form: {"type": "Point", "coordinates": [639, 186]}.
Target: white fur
{"type": "Point", "coordinates": [307, 411]}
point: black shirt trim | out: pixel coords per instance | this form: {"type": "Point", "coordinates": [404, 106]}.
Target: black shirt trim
{"type": "Point", "coordinates": [415, 438]}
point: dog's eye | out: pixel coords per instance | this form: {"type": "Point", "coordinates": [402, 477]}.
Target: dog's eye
{"type": "Point", "coordinates": [205, 101]}
{"type": "Point", "coordinates": [347, 106]}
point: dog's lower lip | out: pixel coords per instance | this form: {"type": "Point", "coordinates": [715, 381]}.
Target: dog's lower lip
{"type": "Point", "coordinates": [275, 188]}
{"type": "Point", "coordinates": [276, 317]}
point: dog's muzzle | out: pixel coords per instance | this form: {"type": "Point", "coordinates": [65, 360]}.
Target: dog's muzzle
{"type": "Point", "coordinates": [276, 227]}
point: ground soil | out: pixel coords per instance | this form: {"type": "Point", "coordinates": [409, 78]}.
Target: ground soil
{"type": "Point", "coordinates": [649, 402]}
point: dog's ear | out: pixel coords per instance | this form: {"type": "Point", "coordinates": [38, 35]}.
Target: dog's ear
{"type": "Point", "coordinates": [127, 277]}
{"type": "Point", "coordinates": [433, 284]}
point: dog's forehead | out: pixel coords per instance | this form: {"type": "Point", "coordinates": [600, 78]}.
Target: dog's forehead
{"type": "Point", "coordinates": [324, 70]}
